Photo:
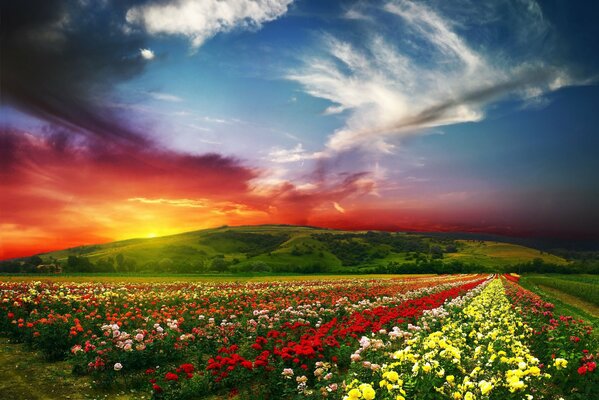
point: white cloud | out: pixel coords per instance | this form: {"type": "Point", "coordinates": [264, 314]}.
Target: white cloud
{"type": "Point", "coordinates": [298, 153]}
{"type": "Point", "coordinates": [147, 54]}
{"type": "Point", "coordinates": [201, 20]}
{"type": "Point", "coordinates": [165, 96]}
{"type": "Point", "coordinates": [431, 77]}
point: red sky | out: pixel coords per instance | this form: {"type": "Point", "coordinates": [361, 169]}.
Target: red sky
{"type": "Point", "coordinates": [60, 192]}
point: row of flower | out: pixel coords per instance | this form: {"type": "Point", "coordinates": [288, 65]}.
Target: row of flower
{"type": "Point", "coordinates": [237, 335]}
{"type": "Point", "coordinates": [55, 316]}
{"type": "Point", "coordinates": [496, 342]}
{"type": "Point", "coordinates": [458, 337]}
{"type": "Point", "coordinates": [559, 337]}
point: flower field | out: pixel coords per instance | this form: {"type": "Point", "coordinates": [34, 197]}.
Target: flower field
{"type": "Point", "coordinates": [454, 336]}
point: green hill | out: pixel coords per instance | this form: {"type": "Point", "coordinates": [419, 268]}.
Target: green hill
{"type": "Point", "coordinates": [284, 248]}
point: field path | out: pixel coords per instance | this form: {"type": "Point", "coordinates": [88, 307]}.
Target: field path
{"type": "Point", "coordinates": [26, 376]}
{"type": "Point", "coordinates": [572, 300]}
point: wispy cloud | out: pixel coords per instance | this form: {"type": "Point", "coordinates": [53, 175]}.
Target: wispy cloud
{"type": "Point", "coordinates": [165, 97]}
{"type": "Point", "coordinates": [433, 77]}
{"type": "Point", "coordinates": [201, 20]}
{"type": "Point", "coordinates": [297, 153]}
{"type": "Point", "coordinates": [202, 203]}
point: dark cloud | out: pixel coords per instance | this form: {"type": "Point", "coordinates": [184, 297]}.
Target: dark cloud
{"type": "Point", "coordinates": [99, 168]}
{"type": "Point", "coordinates": [61, 59]}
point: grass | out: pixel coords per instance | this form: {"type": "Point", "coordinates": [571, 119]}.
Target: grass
{"type": "Point", "coordinates": [27, 376]}
{"type": "Point", "coordinates": [300, 249]}
{"type": "Point", "coordinates": [585, 291]}
{"type": "Point", "coordinates": [498, 254]}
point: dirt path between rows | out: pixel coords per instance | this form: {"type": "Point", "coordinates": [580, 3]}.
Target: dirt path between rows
{"type": "Point", "coordinates": [572, 300]}
{"type": "Point", "coordinates": [26, 376]}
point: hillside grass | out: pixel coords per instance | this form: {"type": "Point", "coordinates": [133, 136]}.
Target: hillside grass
{"type": "Point", "coordinates": [282, 246]}
{"type": "Point", "coordinates": [499, 254]}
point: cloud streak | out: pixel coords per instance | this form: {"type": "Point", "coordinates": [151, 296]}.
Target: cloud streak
{"type": "Point", "coordinates": [430, 77]}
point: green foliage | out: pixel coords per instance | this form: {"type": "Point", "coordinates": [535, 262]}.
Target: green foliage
{"type": "Point", "coordinates": [252, 244]}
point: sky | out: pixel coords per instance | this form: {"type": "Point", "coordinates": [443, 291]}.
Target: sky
{"type": "Point", "coordinates": [122, 119]}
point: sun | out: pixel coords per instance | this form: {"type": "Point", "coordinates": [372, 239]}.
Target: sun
{"type": "Point", "coordinates": [151, 235]}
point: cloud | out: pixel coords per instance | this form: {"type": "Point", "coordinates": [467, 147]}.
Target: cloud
{"type": "Point", "coordinates": [146, 54]}
{"type": "Point", "coordinates": [338, 207]}
{"type": "Point", "coordinates": [298, 153]}
{"type": "Point", "coordinates": [429, 76]}
{"type": "Point", "coordinates": [301, 203]}
{"type": "Point", "coordinates": [61, 60]}
{"type": "Point", "coordinates": [165, 97]}
{"type": "Point", "coordinates": [202, 203]}
{"type": "Point", "coordinates": [201, 20]}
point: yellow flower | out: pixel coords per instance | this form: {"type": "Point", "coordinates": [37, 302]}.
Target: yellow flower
{"type": "Point", "coordinates": [450, 378]}
{"type": "Point", "coordinates": [469, 396]}
{"type": "Point", "coordinates": [485, 387]}
{"type": "Point", "coordinates": [368, 392]}
{"type": "Point", "coordinates": [392, 376]}
{"type": "Point", "coordinates": [354, 394]}
{"type": "Point", "coordinates": [560, 363]}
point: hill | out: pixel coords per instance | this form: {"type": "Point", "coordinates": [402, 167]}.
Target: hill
{"type": "Point", "coordinates": [300, 249]}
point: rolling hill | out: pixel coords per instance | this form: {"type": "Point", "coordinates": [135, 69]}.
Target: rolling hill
{"type": "Point", "coordinates": [284, 248]}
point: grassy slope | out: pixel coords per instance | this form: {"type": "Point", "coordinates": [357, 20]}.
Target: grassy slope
{"type": "Point", "coordinates": [498, 254]}
{"type": "Point", "coordinates": [205, 244]}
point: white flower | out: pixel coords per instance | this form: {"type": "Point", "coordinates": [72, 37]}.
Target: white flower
{"type": "Point", "coordinates": [118, 366]}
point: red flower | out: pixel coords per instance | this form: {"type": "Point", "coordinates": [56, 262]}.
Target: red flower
{"type": "Point", "coordinates": [187, 368]}
{"type": "Point", "coordinates": [157, 388]}
{"type": "Point", "coordinates": [591, 366]}
{"type": "Point", "coordinates": [582, 370]}
{"type": "Point", "coordinates": [171, 377]}
{"type": "Point", "coordinates": [246, 364]}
